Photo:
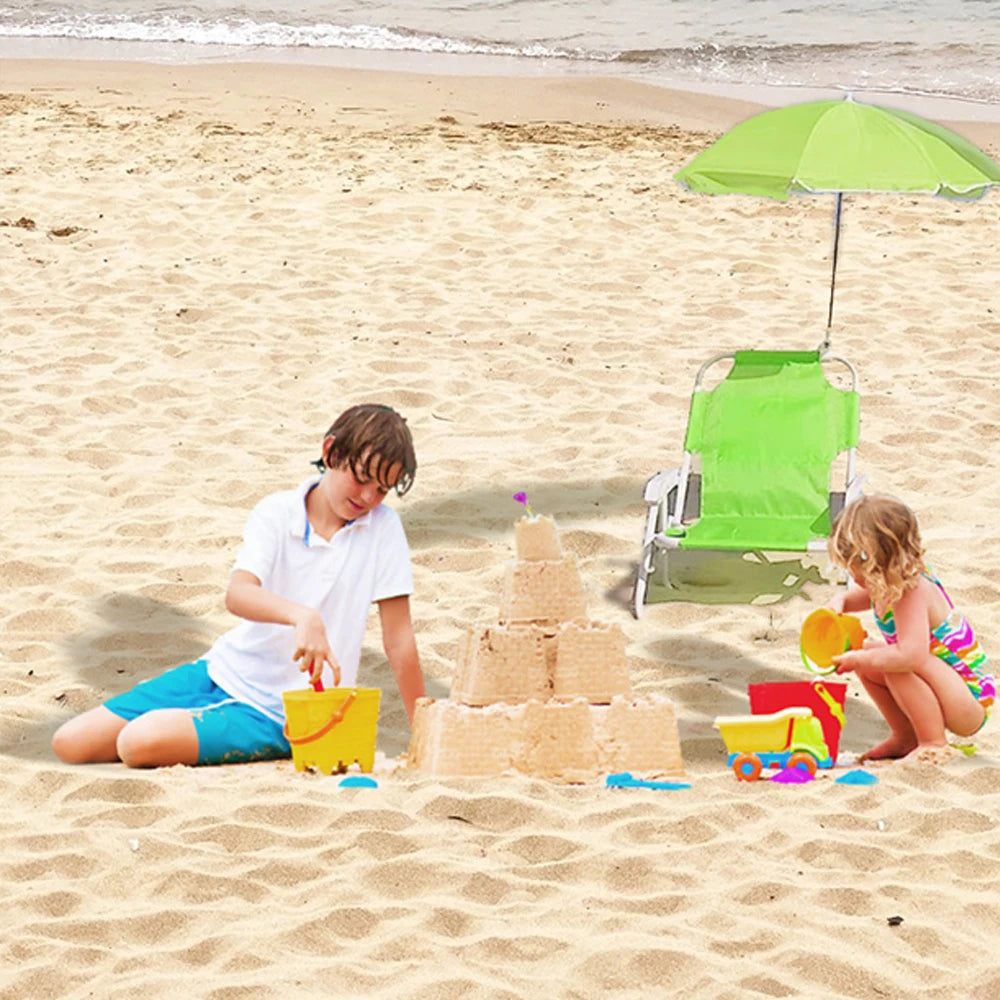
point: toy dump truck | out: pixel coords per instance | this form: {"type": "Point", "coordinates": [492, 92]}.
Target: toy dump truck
{"type": "Point", "coordinates": [792, 737]}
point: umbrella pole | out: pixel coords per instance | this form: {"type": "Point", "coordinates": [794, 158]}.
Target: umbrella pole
{"type": "Point", "coordinates": [833, 273]}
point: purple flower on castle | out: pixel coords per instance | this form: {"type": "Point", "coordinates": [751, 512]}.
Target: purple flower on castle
{"type": "Point", "coordinates": [522, 498]}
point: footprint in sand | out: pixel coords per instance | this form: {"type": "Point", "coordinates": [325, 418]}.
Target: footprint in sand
{"type": "Point", "coordinates": [67, 234]}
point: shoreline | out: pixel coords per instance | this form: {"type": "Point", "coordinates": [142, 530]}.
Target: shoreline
{"type": "Point", "coordinates": [355, 96]}
{"type": "Point", "coordinates": [448, 66]}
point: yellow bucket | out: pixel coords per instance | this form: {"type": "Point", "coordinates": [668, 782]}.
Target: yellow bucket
{"type": "Point", "coordinates": [825, 634]}
{"type": "Point", "coordinates": [330, 730]}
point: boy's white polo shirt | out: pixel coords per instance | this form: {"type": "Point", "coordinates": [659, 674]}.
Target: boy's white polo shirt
{"type": "Point", "coordinates": [367, 560]}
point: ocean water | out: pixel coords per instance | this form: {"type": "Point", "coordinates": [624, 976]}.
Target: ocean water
{"type": "Point", "coordinates": [945, 48]}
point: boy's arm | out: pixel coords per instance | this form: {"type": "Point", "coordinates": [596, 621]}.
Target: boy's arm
{"type": "Point", "coordinates": [400, 647]}
{"type": "Point", "coordinates": [247, 598]}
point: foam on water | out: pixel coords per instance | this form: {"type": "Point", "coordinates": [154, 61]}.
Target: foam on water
{"type": "Point", "coordinates": [949, 48]}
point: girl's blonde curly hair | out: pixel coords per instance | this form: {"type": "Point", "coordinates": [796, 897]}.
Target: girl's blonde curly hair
{"type": "Point", "coordinates": [876, 539]}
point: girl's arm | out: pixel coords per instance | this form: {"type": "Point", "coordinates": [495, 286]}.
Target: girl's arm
{"type": "Point", "coordinates": [854, 598]}
{"type": "Point", "coordinates": [400, 647]}
{"type": "Point", "coordinates": [910, 613]}
{"type": "Point", "coordinates": [247, 598]}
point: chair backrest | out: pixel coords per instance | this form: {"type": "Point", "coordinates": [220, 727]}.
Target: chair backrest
{"type": "Point", "coordinates": [767, 436]}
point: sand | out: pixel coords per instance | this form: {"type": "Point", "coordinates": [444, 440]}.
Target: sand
{"type": "Point", "coordinates": [201, 267]}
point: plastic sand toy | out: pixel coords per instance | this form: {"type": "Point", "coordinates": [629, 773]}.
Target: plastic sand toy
{"type": "Point", "coordinates": [624, 779]}
{"type": "Point", "coordinates": [793, 776]}
{"type": "Point", "coordinates": [330, 730]}
{"type": "Point", "coordinates": [357, 781]}
{"type": "Point", "coordinates": [824, 635]}
{"type": "Point", "coordinates": [826, 699]}
{"type": "Point", "coordinates": [857, 777]}
{"type": "Point", "coordinates": [790, 738]}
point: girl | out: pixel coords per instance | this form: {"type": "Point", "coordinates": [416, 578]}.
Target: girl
{"type": "Point", "coordinates": [930, 675]}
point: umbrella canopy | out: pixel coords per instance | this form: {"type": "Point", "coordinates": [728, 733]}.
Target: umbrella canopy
{"type": "Point", "coordinates": [836, 147]}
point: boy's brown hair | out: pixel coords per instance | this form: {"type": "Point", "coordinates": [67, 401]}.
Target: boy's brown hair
{"type": "Point", "coordinates": [372, 439]}
{"type": "Point", "coordinates": [877, 538]}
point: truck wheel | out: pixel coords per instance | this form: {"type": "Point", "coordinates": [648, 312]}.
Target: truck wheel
{"type": "Point", "coordinates": [747, 767]}
{"type": "Point", "coordinates": [804, 760]}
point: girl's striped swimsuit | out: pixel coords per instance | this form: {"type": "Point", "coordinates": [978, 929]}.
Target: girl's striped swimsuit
{"type": "Point", "coordinates": [954, 642]}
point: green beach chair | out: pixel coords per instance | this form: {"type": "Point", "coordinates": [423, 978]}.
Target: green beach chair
{"type": "Point", "coordinates": [758, 456]}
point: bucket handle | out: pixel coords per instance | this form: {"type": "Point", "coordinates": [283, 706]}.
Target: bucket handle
{"type": "Point", "coordinates": [337, 716]}
{"type": "Point", "coordinates": [835, 710]}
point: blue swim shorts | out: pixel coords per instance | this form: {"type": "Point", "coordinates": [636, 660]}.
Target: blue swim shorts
{"type": "Point", "coordinates": [229, 731]}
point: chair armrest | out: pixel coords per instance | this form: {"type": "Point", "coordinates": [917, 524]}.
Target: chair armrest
{"type": "Point", "coordinates": [658, 486]}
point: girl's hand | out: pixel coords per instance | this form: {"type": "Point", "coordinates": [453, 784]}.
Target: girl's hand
{"type": "Point", "coordinates": [312, 649]}
{"type": "Point", "coordinates": [844, 662]}
{"type": "Point", "coordinates": [836, 603]}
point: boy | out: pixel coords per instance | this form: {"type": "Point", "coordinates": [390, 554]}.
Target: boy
{"type": "Point", "coordinates": [313, 560]}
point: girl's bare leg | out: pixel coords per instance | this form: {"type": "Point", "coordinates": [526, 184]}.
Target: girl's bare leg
{"type": "Point", "coordinates": [89, 738]}
{"type": "Point", "coordinates": [919, 705]}
{"type": "Point", "coordinates": [160, 738]}
{"type": "Point", "coordinates": [902, 739]}
{"type": "Point", "coordinates": [919, 702]}
{"type": "Point", "coordinates": [963, 715]}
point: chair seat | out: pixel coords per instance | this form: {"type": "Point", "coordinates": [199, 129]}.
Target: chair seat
{"type": "Point", "coordinates": [779, 534]}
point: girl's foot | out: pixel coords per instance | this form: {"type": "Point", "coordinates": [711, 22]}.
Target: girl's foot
{"type": "Point", "coordinates": [892, 748]}
{"type": "Point", "coordinates": [931, 753]}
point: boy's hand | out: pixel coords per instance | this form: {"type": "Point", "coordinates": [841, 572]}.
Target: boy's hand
{"type": "Point", "coordinates": [312, 649]}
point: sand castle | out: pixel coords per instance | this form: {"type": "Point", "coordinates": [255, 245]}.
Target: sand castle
{"type": "Point", "coordinates": [544, 691]}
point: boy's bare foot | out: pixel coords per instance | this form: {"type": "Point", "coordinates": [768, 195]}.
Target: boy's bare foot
{"type": "Point", "coordinates": [892, 748]}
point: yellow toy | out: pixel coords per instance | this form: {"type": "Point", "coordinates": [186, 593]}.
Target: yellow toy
{"type": "Point", "coordinates": [330, 730]}
{"type": "Point", "coordinates": [824, 635]}
{"type": "Point", "coordinates": [792, 737]}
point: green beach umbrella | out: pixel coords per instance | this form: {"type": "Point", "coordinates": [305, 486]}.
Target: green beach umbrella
{"type": "Point", "coordinates": [838, 147]}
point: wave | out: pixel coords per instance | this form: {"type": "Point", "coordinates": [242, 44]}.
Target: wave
{"type": "Point", "coordinates": [947, 69]}
{"type": "Point", "coordinates": [253, 34]}
{"type": "Point", "coordinates": [944, 68]}
{"type": "Point", "coordinates": [751, 55]}
{"type": "Point", "coordinates": [247, 33]}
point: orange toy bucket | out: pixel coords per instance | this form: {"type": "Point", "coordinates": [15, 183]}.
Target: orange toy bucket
{"type": "Point", "coordinates": [825, 634]}
{"type": "Point", "coordinates": [330, 730]}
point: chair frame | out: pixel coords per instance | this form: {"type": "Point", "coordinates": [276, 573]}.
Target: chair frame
{"type": "Point", "coordinates": [673, 496]}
